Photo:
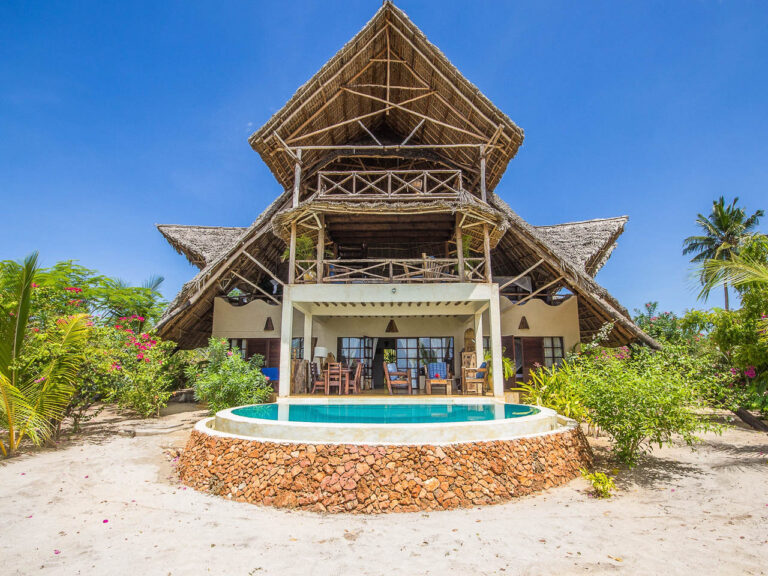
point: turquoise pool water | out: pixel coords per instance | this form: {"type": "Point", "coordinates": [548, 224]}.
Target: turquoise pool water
{"type": "Point", "coordinates": [385, 413]}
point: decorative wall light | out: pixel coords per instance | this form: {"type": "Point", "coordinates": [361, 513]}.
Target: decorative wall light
{"type": "Point", "coordinates": [268, 326]}
{"type": "Point", "coordinates": [391, 327]}
{"type": "Point", "coordinates": [523, 324]}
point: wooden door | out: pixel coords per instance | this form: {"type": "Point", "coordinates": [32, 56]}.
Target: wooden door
{"type": "Point", "coordinates": [533, 354]}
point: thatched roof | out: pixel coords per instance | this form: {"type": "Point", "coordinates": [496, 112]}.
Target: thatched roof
{"type": "Point", "coordinates": [345, 88]}
{"type": "Point", "coordinates": [588, 244]}
{"type": "Point", "coordinates": [200, 244]}
{"type": "Point", "coordinates": [571, 253]}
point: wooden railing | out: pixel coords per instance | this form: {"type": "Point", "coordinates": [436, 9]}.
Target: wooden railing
{"type": "Point", "coordinates": [389, 184]}
{"type": "Point", "coordinates": [396, 271]}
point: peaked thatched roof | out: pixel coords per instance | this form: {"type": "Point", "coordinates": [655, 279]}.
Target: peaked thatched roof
{"type": "Point", "coordinates": [464, 114]}
{"type": "Point", "coordinates": [588, 244]}
{"type": "Point", "coordinates": [200, 244]}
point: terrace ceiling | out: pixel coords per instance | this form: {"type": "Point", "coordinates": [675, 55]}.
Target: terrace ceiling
{"type": "Point", "coordinates": [388, 88]}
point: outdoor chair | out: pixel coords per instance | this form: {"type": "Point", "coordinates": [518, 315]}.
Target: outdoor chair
{"type": "Point", "coordinates": [468, 363]}
{"type": "Point", "coordinates": [318, 381]}
{"type": "Point", "coordinates": [475, 379]}
{"type": "Point", "coordinates": [334, 377]}
{"type": "Point", "coordinates": [437, 375]}
{"type": "Point", "coordinates": [357, 380]}
{"type": "Point", "coordinates": [397, 378]}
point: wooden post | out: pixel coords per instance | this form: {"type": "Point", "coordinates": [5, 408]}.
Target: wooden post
{"type": "Point", "coordinates": [297, 178]}
{"type": "Point", "coordinates": [483, 192]}
{"type": "Point", "coordinates": [320, 249]}
{"type": "Point", "coordinates": [460, 247]}
{"type": "Point", "coordinates": [487, 251]}
{"type": "Point", "coordinates": [292, 257]}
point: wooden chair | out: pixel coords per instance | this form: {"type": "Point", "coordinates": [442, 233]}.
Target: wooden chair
{"type": "Point", "coordinates": [397, 379]}
{"type": "Point", "coordinates": [475, 379]}
{"type": "Point", "coordinates": [334, 377]}
{"type": "Point", "coordinates": [318, 380]}
{"type": "Point", "coordinates": [468, 360]}
{"type": "Point", "coordinates": [437, 375]}
{"type": "Point", "coordinates": [357, 380]}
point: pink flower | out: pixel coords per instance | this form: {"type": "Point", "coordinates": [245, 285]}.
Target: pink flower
{"type": "Point", "coordinates": [104, 521]}
{"type": "Point", "coordinates": [229, 353]}
{"type": "Point", "coordinates": [34, 285]}
{"type": "Point", "coordinates": [57, 551]}
{"type": "Point", "coordinates": [39, 380]}
{"type": "Point", "coordinates": [118, 327]}
{"type": "Point", "coordinates": [129, 331]}
{"type": "Point", "coordinates": [140, 356]}
{"type": "Point", "coordinates": [734, 372]}
{"type": "Point", "coordinates": [140, 318]}
{"type": "Point", "coordinates": [750, 372]}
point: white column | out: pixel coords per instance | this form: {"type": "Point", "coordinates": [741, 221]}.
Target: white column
{"type": "Point", "coordinates": [479, 337]}
{"type": "Point", "coordinates": [307, 336]}
{"type": "Point", "coordinates": [494, 313]}
{"type": "Point", "coordinates": [286, 334]}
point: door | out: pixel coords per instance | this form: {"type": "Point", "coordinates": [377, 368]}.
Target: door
{"type": "Point", "coordinates": [533, 355]}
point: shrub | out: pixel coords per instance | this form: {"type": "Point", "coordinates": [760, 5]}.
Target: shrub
{"type": "Point", "coordinates": [602, 484]}
{"type": "Point", "coordinates": [225, 379]}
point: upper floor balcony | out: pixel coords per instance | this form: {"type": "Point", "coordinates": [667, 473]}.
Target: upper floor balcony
{"type": "Point", "coordinates": [389, 185]}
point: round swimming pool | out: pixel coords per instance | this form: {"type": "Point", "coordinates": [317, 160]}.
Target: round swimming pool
{"type": "Point", "coordinates": [385, 420]}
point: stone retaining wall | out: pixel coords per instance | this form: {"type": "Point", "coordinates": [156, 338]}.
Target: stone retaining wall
{"type": "Point", "coordinates": [373, 479]}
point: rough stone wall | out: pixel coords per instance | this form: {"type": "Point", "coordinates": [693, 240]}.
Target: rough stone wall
{"type": "Point", "coordinates": [374, 479]}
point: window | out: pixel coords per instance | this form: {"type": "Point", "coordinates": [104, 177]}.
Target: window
{"type": "Point", "coordinates": [553, 351]}
{"type": "Point", "coordinates": [297, 348]}
{"type": "Point", "coordinates": [238, 344]}
{"type": "Point", "coordinates": [354, 350]}
{"type": "Point", "coordinates": [416, 353]}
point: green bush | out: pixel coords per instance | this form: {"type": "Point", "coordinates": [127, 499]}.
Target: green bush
{"type": "Point", "coordinates": [602, 484]}
{"type": "Point", "coordinates": [224, 379]}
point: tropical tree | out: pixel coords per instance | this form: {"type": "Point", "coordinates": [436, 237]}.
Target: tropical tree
{"type": "Point", "coordinates": [38, 368]}
{"type": "Point", "coordinates": [725, 230]}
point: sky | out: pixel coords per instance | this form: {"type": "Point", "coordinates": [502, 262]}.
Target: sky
{"type": "Point", "coordinates": [115, 117]}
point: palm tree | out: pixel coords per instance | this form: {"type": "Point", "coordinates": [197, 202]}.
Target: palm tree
{"type": "Point", "coordinates": [725, 230]}
{"type": "Point", "coordinates": [34, 391]}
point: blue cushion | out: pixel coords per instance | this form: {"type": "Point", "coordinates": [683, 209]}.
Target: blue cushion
{"type": "Point", "coordinates": [481, 374]}
{"type": "Point", "coordinates": [272, 374]}
{"type": "Point", "coordinates": [391, 367]}
{"type": "Point", "coordinates": [437, 370]}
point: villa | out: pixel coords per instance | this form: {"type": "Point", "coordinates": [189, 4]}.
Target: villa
{"type": "Point", "coordinates": [388, 243]}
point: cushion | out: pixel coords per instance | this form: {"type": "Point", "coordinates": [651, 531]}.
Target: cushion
{"type": "Point", "coordinates": [272, 374]}
{"type": "Point", "coordinates": [437, 370]}
{"type": "Point", "coordinates": [391, 367]}
{"type": "Point", "coordinates": [481, 374]}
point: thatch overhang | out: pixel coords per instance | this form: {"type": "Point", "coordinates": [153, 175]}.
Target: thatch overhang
{"type": "Point", "coordinates": [473, 213]}
{"type": "Point", "coordinates": [523, 246]}
{"type": "Point", "coordinates": [389, 79]}
{"type": "Point", "coordinates": [200, 244]}
{"type": "Point", "coordinates": [588, 243]}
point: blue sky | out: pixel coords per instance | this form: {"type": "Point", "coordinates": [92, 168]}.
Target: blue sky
{"type": "Point", "coordinates": [117, 116]}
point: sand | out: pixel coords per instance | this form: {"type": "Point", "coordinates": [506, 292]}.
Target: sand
{"type": "Point", "coordinates": [110, 505]}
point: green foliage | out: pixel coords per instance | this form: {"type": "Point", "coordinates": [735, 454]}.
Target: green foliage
{"type": "Point", "coordinates": [38, 367]}
{"type": "Point", "coordinates": [639, 397]}
{"type": "Point", "coordinates": [507, 364]}
{"type": "Point", "coordinates": [225, 379]}
{"type": "Point", "coordinates": [602, 484]}
{"type": "Point", "coordinates": [305, 249]}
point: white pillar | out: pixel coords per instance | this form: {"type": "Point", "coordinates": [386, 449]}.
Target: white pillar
{"type": "Point", "coordinates": [479, 337]}
{"type": "Point", "coordinates": [307, 336]}
{"type": "Point", "coordinates": [494, 313]}
{"type": "Point", "coordinates": [286, 334]}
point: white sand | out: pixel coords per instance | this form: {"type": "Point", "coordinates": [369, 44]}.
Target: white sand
{"type": "Point", "coordinates": [680, 512]}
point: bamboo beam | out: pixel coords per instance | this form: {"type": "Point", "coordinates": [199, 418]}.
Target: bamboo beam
{"type": "Point", "coordinates": [516, 278]}
{"type": "Point", "coordinates": [487, 253]}
{"type": "Point", "coordinates": [259, 288]}
{"type": "Point", "coordinates": [265, 269]}
{"type": "Point", "coordinates": [413, 112]}
{"type": "Point", "coordinates": [320, 248]}
{"type": "Point", "coordinates": [297, 178]}
{"type": "Point", "coordinates": [389, 64]}
{"type": "Point", "coordinates": [460, 247]}
{"type": "Point", "coordinates": [483, 191]}
{"type": "Point", "coordinates": [364, 127]}
{"type": "Point", "coordinates": [404, 142]}
{"type": "Point", "coordinates": [292, 252]}
{"type": "Point", "coordinates": [532, 294]}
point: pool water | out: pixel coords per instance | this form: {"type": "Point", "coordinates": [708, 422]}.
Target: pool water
{"type": "Point", "coordinates": [385, 413]}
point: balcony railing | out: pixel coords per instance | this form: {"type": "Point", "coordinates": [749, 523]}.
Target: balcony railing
{"type": "Point", "coordinates": [396, 271]}
{"type": "Point", "coordinates": [389, 184]}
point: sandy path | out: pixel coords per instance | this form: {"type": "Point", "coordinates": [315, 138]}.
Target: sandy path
{"type": "Point", "coordinates": [681, 512]}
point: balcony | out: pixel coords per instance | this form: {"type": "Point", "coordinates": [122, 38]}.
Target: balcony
{"type": "Point", "coordinates": [391, 185]}
{"type": "Point", "coordinates": [391, 271]}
